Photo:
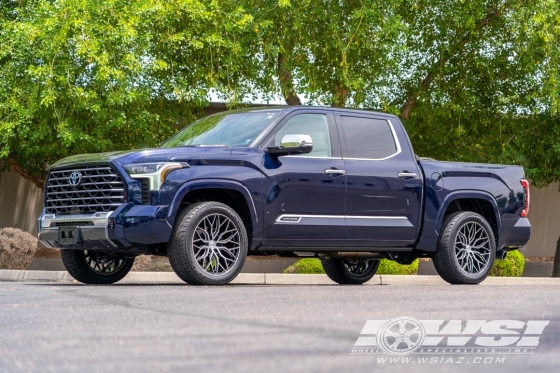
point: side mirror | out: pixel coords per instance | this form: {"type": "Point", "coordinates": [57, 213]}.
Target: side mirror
{"type": "Point", "coordinates": [293, 144]}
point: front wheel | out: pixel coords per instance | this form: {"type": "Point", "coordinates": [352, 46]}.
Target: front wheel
{"type": "Point", "coordinates": [350, 271]}
{"type": "Point", "coordinates": [93, 267]}
{"type": "Point", "coordinates": [466, 249]}
{"type": "Point", "coordinates": [209, 244]}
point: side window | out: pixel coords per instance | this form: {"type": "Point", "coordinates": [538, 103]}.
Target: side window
{"type": "Point", "coordinates": [368, 138]}
{"type": "Point", "coordinates": [314, 125]}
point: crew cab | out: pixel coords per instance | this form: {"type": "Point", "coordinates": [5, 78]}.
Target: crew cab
{"type": "Point", "coordinates": [341, 185]}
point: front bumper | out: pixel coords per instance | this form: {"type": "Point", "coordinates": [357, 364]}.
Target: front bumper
{"type": "Point", "coordinates": [126, 227]}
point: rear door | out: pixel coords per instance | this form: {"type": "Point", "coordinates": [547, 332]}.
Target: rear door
{"type": "Point", "coordinates": [384, 191]}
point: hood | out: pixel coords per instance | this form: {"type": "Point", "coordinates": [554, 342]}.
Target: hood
{"type": "Point", "coordinates": [92, 157]}
{"type": "Point", "coordinates": [145, 155]}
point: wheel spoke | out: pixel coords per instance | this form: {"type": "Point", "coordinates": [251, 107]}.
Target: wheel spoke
{"type": "Point", "coordinates": [216, 244]}
{"type": "Point", "coordinates": [103, 264]}
{"type": "Point", "coordinates": [472, 248]}
{"type": "Point", "coordinates": [396, 344]}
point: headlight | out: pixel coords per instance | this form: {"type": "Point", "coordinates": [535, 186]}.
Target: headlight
{"type": "Point", "coordinates": [154, 172]}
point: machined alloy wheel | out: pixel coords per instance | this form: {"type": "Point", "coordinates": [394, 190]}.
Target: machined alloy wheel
{"type": "Point", "coordinates": [466, 249]}
{"type": "Point", "coordinates": [350, 271]}
{"type": "Point", "coordinates": [216, 244]}
{"type": "Point", "coordinates": [472, 248]}
{"type": "Point", "coordinates": [93, 267]}
{"type": "Point", "coordinates": [209, 244]}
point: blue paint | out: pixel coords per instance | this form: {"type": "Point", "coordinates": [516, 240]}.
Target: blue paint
{"type": "Point", "coordinates": [275, 185]}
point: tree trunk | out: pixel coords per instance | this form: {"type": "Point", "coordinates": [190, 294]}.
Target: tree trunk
{"type": "Point", "coordinates": [40, 183]}
{"type": "Point", "coordinates": [286, 83]}
{"type": "Point", "coordinates": [556, 265]}
{"type": "Point", "coordinates": [340, 95]}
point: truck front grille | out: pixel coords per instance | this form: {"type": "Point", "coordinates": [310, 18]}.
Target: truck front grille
{"type": "Point", "coordinates": [84, 190]}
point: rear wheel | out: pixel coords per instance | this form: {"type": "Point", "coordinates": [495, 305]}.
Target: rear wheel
{"type": "Point", "coordinates": [350, 271]}
{"type": "Point", "coordinates": [209, 244]}
{"type": "Point", "coordinates": [93, 267]}
{"type": "Point", "coordinates": [466, 249]}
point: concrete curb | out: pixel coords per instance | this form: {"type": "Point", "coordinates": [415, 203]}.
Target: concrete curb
{"type": "Point", "coordinates": [270, 279]}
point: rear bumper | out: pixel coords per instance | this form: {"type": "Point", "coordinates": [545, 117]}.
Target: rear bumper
{"type": "Point", "coordinates": [126, 227]}
{"type": "Point", "coordinates": [516, 235]}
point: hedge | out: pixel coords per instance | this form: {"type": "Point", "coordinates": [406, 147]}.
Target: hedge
{"type": "Point", "coordinates": [386, 267]}
{"type": "Point", "coordinates": [511, 266]}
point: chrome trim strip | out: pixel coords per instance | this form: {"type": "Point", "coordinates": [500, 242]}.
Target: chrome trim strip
{"type": "Point", "coordinates": [84, 198]}
{"type": "Point", "coordinates": [98, 183]}
{"type": "Point", "coordinates": [99, 204]}
{"type": "Point", "coordinates": [93, 167]}
{"type": "Point", "coordinates": [99, 219]}
{"type": "Point", "coordinates": [296, 216]}
{"type": "Point", "coordinates": [83, 176]}
{"type": "Point", "coordinates": [397, 143]}
{"type": "Point", "coordinates": [82, 191]}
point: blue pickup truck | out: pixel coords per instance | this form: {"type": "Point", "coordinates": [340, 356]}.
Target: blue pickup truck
{"type": "Point", "coordinates": [341, 185]}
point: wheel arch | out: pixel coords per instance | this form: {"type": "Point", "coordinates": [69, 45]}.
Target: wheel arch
{"type": "Point", "coordinates": [229, 192]}
{"type": "Point", "coordinates": [479, 202]}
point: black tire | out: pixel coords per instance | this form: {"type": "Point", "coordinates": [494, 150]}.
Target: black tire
{"type": "Point", "coordinates": [447, 257]}
{"type": "Point", "coordinates": [76, 263]}
{"type": "Point", "coordinates": [339, 271]}
{"type": "Point", "coordinates": [181, 248]}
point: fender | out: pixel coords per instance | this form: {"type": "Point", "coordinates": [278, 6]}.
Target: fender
{"type": "Point", "coordinates": [217, 184]}
{"type": "Point", "coordinates": [462, 194]}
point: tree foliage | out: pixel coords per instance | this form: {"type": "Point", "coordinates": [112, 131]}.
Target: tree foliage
{"type": "Point", "coordinates": [82, 76]}
{"type": "Point", "coordinates": [472, 80]}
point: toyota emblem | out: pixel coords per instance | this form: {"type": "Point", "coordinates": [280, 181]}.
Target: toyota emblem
{"type": "Point", "coordinates": [75, 179]}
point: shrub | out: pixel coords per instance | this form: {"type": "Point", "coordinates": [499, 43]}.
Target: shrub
{"type": "Point", "coordinates": [511, 266]}
{"type": "Point", "coordinates": [16, 248]}
{"type": "Point", "coordinates": [386, 267]}
{"type": "Point", "coordinates": [306, 266]}
{"type": "Point", "coordinates": [142, 262]}
{"type": "Point", "coordinates": [390, 267]}
{"type": "Point", "coordinates": [146, 263]}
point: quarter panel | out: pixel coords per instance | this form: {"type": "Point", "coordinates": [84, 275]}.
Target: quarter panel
{"type": "Point", "coordinates": [448, 181]}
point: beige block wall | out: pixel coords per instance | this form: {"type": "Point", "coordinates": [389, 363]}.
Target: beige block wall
{"type": "Point", "coordinates": [21, 202]}
{"type": "Point", "coordinates": [544, 215]}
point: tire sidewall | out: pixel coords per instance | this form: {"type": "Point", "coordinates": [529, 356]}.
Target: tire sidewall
{"type": "Point", "coordinates": [453, 237]}
{"type": "Point", "coordinates": [75, 263]}
{"type": "Point", "coordinates": [187, 245]}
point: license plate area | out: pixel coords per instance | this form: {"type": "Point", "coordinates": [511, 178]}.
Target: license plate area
{"type": "Point", "coordinates": [68, 235]}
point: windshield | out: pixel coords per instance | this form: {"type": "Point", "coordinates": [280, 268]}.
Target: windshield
{"type": "Point", "coordinates": [224, 129]}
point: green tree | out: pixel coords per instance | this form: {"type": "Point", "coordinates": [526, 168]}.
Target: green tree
{"type": "Point", "coordinates": [82, 76]}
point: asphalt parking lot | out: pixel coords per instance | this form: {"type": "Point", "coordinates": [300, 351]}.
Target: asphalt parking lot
{"type": "Point", "coordinates": [70, 327]}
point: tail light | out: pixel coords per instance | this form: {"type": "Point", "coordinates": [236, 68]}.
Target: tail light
{"type": "Point", "coordinates": [525, 211]}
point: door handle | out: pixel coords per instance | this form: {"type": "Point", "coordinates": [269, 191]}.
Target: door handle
{"type": "Point", "coordinates": [406, 175]}
{"type": "Point", "coordinates": [334, 172]}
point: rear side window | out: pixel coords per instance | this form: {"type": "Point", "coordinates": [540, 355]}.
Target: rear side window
{"type": "Point", "coordinates": [368, 138]}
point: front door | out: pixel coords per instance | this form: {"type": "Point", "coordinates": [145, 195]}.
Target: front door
{"type": "Point", "coordinates": [305, 194]}
{"type": "Point", "coordinates": [384, 194]}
